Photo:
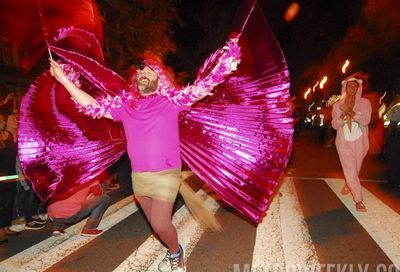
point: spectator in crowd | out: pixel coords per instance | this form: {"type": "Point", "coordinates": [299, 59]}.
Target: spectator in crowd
{"type": "Point", "coordinates": [26, 208]}
{"type": "Point", "coordinates": [8, 154]}
{"type": "Point", "coordinates": [87, 201]}
{"type": "Point", "coordinates": [29, 213]}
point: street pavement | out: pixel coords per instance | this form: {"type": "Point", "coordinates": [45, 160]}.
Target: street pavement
{"type": "Point", "coordinates": [309, 226]}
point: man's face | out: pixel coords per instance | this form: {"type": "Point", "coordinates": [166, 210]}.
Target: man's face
{"type": "Point", "coordinates": [147, 80]}
{"type": "Point", "coordinates": [351, 87]}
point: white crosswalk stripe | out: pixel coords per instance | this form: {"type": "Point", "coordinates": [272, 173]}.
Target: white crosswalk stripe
{"type": "Point", "coordinates": [282, 239]}
{"type": "Point", "coordinates": [380, 221]}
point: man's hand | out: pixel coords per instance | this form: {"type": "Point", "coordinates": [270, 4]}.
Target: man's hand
{"type": "Point", "coordinates": [57, 71]}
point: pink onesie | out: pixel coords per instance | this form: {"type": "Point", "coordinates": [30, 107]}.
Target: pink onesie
{"type": "Point", "coordinates": [352, 146]}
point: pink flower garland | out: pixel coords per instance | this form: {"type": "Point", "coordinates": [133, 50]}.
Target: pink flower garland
{"type": "Point", "coordinates": [228, 59]}
{"type": "Point", "coordinates": [71, 74]}
{"type": "Point", "coordinates": [102, 107]}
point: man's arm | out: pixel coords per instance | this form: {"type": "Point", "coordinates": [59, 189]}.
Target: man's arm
{"type": "Point", "coordinates": [81, 97]}
{"type": "Point", "coordinates": [226, 60]}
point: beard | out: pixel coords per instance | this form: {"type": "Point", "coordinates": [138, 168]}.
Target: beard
{"type": "Point", "coordinates": [146, 86]}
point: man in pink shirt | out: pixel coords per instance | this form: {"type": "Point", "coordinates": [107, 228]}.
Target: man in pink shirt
{"type": "Point", "coordinates": [152, 132]}
{"type": "Point", "coordinates": [88, 201]}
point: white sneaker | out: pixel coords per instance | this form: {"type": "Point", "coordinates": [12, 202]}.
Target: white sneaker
{"type": "Point", "coordinates": [165, 265]}
{"type": "Point", "coordinates": [173, 263]}
{"type": "Point", "coordinates": [58, 232]}
{"type": "Point", "coordinates": [18, 227]}
{"type": "Point", "coordinates": [178, 263]}
{"type": "Point", "coordinates": [44, 216]}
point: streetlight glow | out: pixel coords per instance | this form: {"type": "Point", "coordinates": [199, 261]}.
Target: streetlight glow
{"type": "Point", "coordinates": [323, 81]}
{"type": "Point", "coordinates": [345, 65]}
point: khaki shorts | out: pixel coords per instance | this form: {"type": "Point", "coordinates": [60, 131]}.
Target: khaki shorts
{"type": "Point", "coordinates": [163, 185]}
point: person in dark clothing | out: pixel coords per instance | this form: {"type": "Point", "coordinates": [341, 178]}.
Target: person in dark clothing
{"type": "Point", "coordinates": [8, 154]}
{"type": "Point", "coordinates": [27, 209]}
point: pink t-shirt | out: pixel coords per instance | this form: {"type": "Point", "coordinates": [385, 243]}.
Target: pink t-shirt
{"type": "Point", "coordinates": [69, 206]}
{"type": "Point", "coordinates": [152, 133]}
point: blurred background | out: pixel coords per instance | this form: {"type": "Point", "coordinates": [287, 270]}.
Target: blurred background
{"type": "Point", "coordinates": [323, 41]}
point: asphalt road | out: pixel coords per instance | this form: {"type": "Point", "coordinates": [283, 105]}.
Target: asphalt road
{"type": "Point", "coordinates": [309, 226]}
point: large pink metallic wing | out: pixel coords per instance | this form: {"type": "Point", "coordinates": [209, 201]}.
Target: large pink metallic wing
{"type": "Point", "coordinates": [238, 141]}
{"type": "Point", "coordinates": [61, 149]}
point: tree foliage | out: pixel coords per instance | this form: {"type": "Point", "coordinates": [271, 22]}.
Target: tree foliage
{"type": "Point", "coordinates": [134, 26]}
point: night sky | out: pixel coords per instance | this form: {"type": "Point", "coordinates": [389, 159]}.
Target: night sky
{"type": "Point", "coordinates": [314, 43]}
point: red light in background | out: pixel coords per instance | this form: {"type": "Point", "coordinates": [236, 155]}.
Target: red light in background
{"type": "Point", "coordinates": [292, 12]}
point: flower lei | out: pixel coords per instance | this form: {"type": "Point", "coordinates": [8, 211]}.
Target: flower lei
{"type": "Point", "coordinates": [226, 60]}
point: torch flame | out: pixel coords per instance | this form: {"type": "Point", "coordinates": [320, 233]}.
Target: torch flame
{"type": "Point", "coordinates": [345, 65]}
{"type": "Point", "coordinates": [307, 93]}
{"type": "Point", "coordinates": [323, 81]}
